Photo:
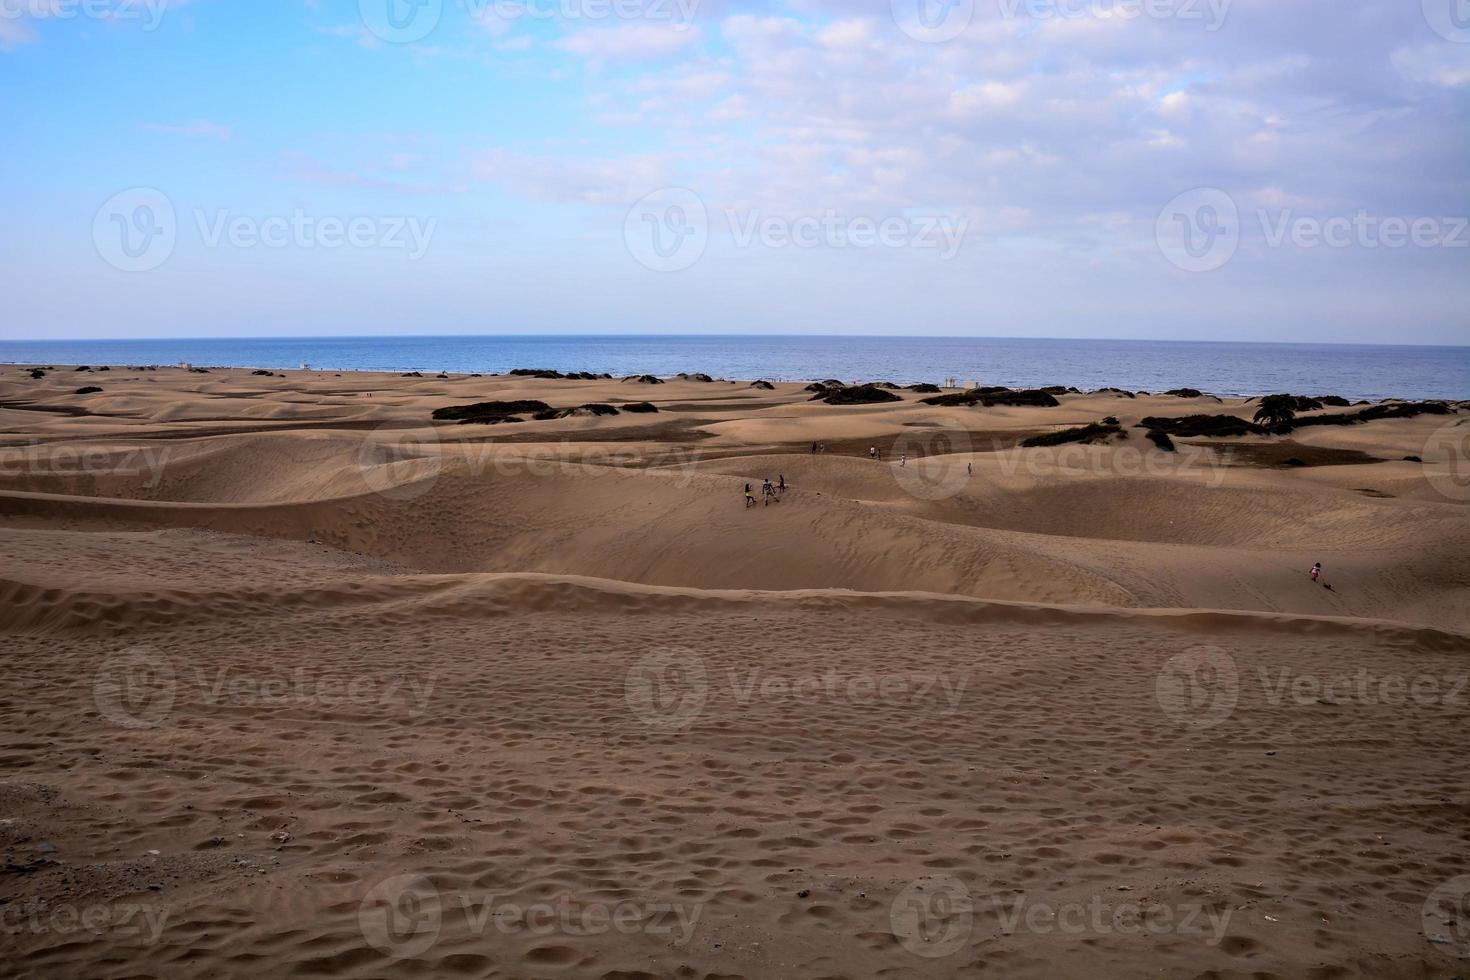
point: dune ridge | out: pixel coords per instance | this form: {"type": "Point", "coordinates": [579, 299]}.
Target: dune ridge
{"type": "Point", "coordinates": [30, 608]}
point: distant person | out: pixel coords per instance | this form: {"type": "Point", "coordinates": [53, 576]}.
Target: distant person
{"type": "Point", "coordinates": [969, 469]}
{"type": "Point", "coordinates": [814, 447]}
{"type": "Point", "coordinates": [1316, 571]}
{"type": "Point", "coordinates": [749, 497]}
{"type": "Point", "coordinates": [781, 483]}
{"type": "Point", "coordinates": [768, 491]}
{"type": "Point", "coordinates": [872, 452]}
{"type": "Point", "coordinates": [903, 460]}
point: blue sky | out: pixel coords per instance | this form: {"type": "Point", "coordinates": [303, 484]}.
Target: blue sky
{"type": "Point", "coordinates": [1183, 169]}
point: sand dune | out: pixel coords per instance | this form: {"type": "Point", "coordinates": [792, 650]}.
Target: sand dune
{"type": "Point", "coordinates": [472, 671]}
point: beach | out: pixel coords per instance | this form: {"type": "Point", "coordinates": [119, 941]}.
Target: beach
{"type": "Point", "coordinates": [305, 680]}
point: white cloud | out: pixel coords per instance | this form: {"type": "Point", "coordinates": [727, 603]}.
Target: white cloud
{"type": "Point", "coordinates": [628, 42]}
{"type": "Point", "coordinates": [1444, 65]}
{"type": "Point", "coordinates": [846, 35]}
{"type": "Point", "coordinates": [1176, 105]}
{"type": "Point", "coordinates": [984, 97]}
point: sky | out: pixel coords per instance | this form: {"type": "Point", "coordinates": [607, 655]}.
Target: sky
{"type": "Point", "coordinates": [1223, 170]}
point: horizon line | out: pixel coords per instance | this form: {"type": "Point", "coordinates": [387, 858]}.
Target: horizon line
{"type": "Point", "coordinates": [592, 336]}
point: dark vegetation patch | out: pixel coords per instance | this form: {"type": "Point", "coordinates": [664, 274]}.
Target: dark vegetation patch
{"type": "Point", "coordinates": [88, 390]}
{"type": "Point", "coordinates": [1116, 392]}
{"type": "Point", "coordinates": [1202, 425]}
{"type": "Point", "coordinates": [585, 411]}
{"type": "Point", "coordinates": [640, 407]}
{"type": "Point", "coordinates": [1091, 433]}
{"type": "Point", "coordinates": [550, 375]}
{"type": "Point", "coordinates": [857, 395]}
{"type": "Point", "coordinates": [763, 385]}
{"type": "Point", "coordinates": [704, 378]}
{"type": "Point", "coordinates": [925, 389]}
{"type": "Point", "coordinates": [490, 413]}
{"type": "Point", "coordinates": [644, 379]}
{"type": "Point", "coordinates": [1161, 439]}
{"type": "Point", "coordinates": [989, 396]}
{"type": "Point", "coordinates": [1185, 392]}
{"type": "Point", "coordinates": [1392, 410]}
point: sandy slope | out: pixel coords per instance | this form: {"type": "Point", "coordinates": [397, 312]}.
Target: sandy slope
{"type": "Point", "coordinates": [918, 687]}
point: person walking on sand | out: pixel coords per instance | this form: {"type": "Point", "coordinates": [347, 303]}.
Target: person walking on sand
{"type": "Point", "coordinates": [903, 460]}
{"type": "Point", "coordinates": [872, 452]}
{"type": "Point", "coordinates": [970, 469]}
{"type": "Point", "coordinates": [749, 497]}
{"type": "Point", "coordinates": [768, 491]}
{"type": "Point", "coordinates": [781, 483]}
{"type": "Point", "coordinates": [1316, 571]}
{"type": "Point", "coordinates": [814, 448]}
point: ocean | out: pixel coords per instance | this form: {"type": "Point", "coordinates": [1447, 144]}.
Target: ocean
{"type": "Point", "coordinates": [1219, 368]}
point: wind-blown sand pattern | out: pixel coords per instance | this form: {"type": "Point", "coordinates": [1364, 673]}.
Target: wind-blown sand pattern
{"type": "Point", "coordinates": [301, 683]}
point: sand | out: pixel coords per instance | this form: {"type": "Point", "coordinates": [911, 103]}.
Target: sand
{"type": "Point", "coordinates": [303, 683]}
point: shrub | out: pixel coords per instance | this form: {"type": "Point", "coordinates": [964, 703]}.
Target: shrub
{"type": "Point", "coordinates": [857, 395]}
{"type": "Point", "coordinates": [1095, 432]}
{"type": "Point", "coordinates": [1276, 410]}
{"type": "Point", "coordinates": [490, 413]}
